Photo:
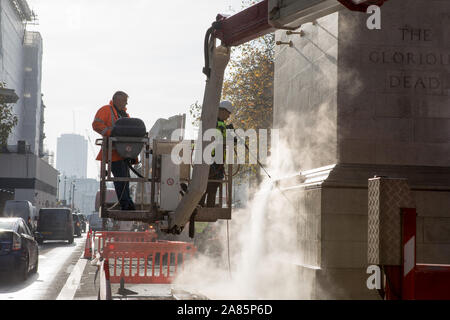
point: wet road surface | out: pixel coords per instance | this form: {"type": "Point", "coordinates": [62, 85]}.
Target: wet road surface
{"type": "Point", "coordinates": [56, 261]}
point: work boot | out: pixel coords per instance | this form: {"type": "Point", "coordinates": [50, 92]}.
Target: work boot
{"type": "Point", "coordinates": [131, 207]}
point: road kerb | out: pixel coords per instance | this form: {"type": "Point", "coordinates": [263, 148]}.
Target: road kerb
{"type": "Point", "coordinates": [73, 282]}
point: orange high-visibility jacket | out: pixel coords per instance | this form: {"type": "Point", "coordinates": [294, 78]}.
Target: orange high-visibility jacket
{"type": "Point", "coordinates": [103, 123]}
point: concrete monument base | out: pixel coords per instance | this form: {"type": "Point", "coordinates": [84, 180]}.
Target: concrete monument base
{"type": "Point", "coordinates": [333, 229]}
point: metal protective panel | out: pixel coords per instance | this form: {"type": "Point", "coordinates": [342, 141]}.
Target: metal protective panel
{"type": "Point", "coordinates": [170, 184]}
{"type": "Point", "coordinates": [386, 197]}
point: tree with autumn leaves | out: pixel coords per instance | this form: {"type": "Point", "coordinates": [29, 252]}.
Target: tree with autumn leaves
{"type": "Point", "coordinates": [249, 84]}
{"type": "Point", "coordinates": [8, 120]}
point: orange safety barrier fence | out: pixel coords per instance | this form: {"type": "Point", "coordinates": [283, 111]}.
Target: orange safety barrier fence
{"type": "Point", "coordinates": [147, 263]}
{"type": "Point", "coordinates": [100, 238]}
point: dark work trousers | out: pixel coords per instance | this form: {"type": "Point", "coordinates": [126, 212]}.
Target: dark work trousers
{"type": "Point", "coordinates": [216, 172]}
{"type": "Point", "coordinates": [120, 170]}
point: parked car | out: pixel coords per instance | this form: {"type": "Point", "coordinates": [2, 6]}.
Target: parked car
{"type": "Point", "coordinates": [21, 209]}
{"type": "Point", "coordinates": [76, 224]}
{"type": "Point", "coordinates": [19, 252]}
{"type": "Point", "coordinates": [56, 224]}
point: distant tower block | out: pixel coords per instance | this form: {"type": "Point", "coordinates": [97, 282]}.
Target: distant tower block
{"type": "Point", "coordinates": [71, 156]}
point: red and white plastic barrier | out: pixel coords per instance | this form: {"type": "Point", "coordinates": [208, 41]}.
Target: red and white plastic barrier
{"type": "Point", "coordinates": [101, 238]}
{"type": "Point", "coordinates": [151, 262]}
{"type": "Point", "coordinates": [409, 253]}
{"type": "Point", "coordinates": [414, 281]}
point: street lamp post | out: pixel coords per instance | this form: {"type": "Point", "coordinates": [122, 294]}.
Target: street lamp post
{"type": "Point", "coordinates": [73, 195]}
{"type": "Point", "coordinates": [65, 180]}
{"type": "Point", "coordinates": [57, 188]}
{"type": "Point", "coordinates": [70, 195]}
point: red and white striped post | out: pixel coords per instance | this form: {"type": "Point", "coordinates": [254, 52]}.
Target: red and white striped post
{"type": "Point", "coordinates": [409, 253]}
{"type": "Point", "coordinates": [94, 252]}
{"type": "Point", "coordinates": [105, 283]}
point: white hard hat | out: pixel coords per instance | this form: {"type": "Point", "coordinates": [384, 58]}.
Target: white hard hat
{"type": "Point", "coordinates": [227, 105]}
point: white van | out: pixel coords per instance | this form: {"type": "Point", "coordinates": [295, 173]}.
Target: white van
{"type": "Point", "coordinates": [21, 209]}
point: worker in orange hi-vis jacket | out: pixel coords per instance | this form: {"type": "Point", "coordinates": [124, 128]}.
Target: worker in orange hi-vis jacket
{"type": "Point", "coordinates": [103, 124]}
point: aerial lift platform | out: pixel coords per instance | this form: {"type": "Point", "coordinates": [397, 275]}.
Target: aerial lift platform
{"type": "Point", "coordinates": [164, 178]}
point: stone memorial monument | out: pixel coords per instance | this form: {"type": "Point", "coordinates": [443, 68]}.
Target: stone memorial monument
{"type": "Point", "coordinates": [355, 103]}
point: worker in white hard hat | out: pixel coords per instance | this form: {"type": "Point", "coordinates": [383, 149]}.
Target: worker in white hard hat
{"type": "Point", "coordinates": [217, 171]}
{"type": "Point", "coordinates": [228, 106]}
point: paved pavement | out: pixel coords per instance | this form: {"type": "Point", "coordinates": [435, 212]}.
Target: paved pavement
{"type": "Point", "coordinates": [88, 290]}
{"type": "Point", "coordinates": [64, 275]}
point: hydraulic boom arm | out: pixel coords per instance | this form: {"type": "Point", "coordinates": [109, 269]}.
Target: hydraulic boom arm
{"type": "Point", "coordinates": [259, 19]}
{"type": "Point", "coordinates": [219, 58]}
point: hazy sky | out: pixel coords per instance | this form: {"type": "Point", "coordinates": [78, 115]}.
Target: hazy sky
{"type": "Point", "coordinates": [153, 50]}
